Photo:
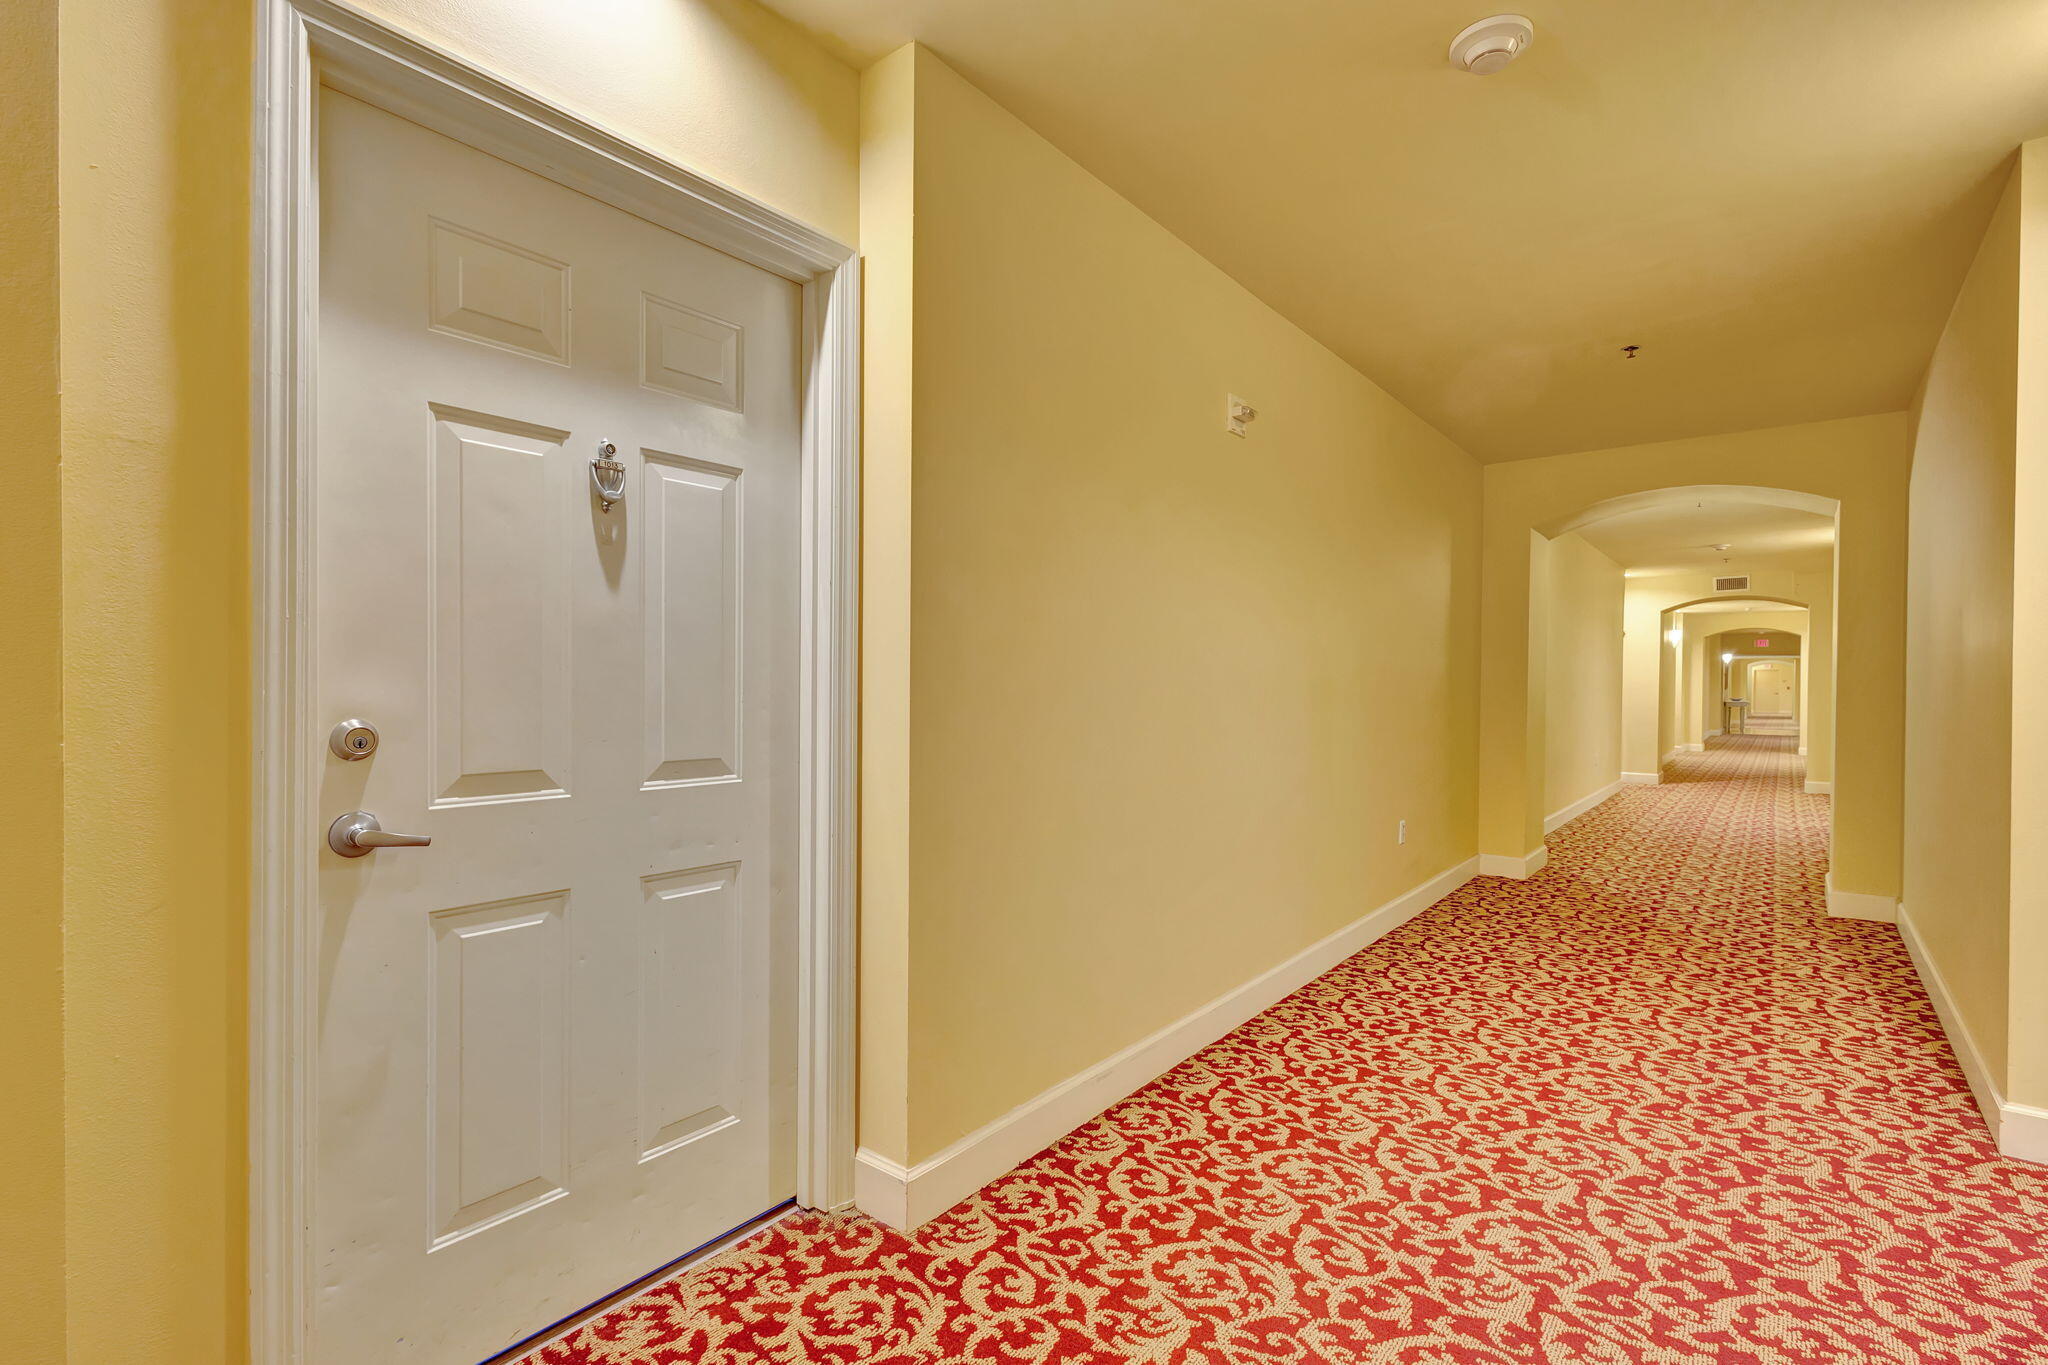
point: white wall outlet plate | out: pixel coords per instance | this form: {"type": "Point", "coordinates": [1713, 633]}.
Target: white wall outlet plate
{"type": "Point", "coordinates": [1237, 414]}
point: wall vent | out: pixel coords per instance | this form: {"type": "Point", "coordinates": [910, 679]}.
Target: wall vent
{"type": "Point", "coordinates": [1732, 584]}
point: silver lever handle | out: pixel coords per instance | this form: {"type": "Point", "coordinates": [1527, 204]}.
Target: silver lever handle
{"type": "Point", "coordinates": [356, 833]}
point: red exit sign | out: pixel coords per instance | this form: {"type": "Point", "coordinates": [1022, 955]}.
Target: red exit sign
{"type": "Point", "coordinates": [1764, 643]}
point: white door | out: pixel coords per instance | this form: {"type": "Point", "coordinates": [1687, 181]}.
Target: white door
{"type": "Point", "coordinates": [555, 1047]}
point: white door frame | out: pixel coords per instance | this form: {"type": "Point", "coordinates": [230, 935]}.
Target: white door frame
{"type": "Point", "coordinates": [302, 45]}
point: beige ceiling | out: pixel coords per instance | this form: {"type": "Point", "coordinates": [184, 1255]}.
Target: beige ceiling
{"type": "Point", "coordinates": [1775, 199]}
{"type": "Point", "coordinates": [1679, 536]}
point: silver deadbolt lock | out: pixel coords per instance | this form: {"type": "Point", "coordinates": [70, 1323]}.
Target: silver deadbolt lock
{"type": "Point", "coordinates": [353, 739]}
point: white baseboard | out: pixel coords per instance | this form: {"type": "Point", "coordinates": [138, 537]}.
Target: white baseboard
{"type": "Point", "coordinates": [1641, 779]}
{"type": "Point", "coordinates": [881, 1189]}
{"type": "Point", "coordinates": [1508, 865]}
{"type": "Point", "coordinates": [2023, 1132]}
{"type": "Point", "coordinates": [1712, 733]}
{"type": "Point", "coordinates": [1694, 748]}
{"type": "Point", "coordinates": [1820, 789]}
{"type": "Point", "coordinates": [2020, 1130]}
{"type": "Point", "coordinates": [1579, 807]}
{"type": "Point", "coordinates": [1860, 905]}
{"type": "Point", "coordinates": [904, 1197]}
{"type": "Point", "coordinates": [1802, 751]}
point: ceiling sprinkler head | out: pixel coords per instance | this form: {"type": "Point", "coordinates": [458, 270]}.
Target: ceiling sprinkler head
{"type": "Point", "coordinates": [1489, 45]}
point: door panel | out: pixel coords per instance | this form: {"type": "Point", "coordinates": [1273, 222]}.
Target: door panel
{"type": "Point", "coordinates": [696, 598]}
{"type": "Point", "coordinates": [689, 1048]}
{"type": "Point", "coordinates": [496, 293]}
{"type": "Point", "coordinates": [692, 354]}
{"type": "Point", "coordinates": [502, 653]}
{"type": "Point", "coordinates": [499, 1111]}
{"type": "Point", "coordinates": [555, 1047]}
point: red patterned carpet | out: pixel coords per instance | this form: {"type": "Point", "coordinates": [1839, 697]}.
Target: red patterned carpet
{"type": "Point", "coordinates": [1650, 1105]}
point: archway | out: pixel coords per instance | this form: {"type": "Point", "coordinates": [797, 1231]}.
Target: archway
{"type": "Point", "coordinates": [1515, 752]}
{"type": "Point", "coordinates": [1858, 467]}
{"type": "Point", "coordinates": [1751, 680]}
{"type": "Point", "coordinates": [1648, 499]}
{"type": "Point", "coordinates": [1690, 712]}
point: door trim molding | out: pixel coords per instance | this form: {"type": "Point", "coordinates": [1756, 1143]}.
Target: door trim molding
{"type": "Point", "coordinates": [300, 46]}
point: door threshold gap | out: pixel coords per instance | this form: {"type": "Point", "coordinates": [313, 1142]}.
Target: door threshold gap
{"type": "Point", "coordinates": [661, 1274]}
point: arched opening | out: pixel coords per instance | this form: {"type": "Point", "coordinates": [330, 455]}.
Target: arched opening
{"type": "Point", "coordinates": [1745, 680]}
{"type": "Point", "coordinates": [1713, 646]}
{"type": "Point", "coordinates": [1654, 500]}
{"type": "Point", "coordinates": [1839, 518]}
{"type": "Point", "coordinates": [1770, 684]}
{"type": "Point", "coordinates": [1792, 603]}
{"type": "Point", "coordinates": [1638, 605]}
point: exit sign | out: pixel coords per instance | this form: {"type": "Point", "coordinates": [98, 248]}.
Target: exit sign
{"type": "Point", "coordinates": [1764, 643]}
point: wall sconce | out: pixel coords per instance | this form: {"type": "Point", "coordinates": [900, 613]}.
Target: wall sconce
{"type": "Point", "coordinates": [1727, 658]}
{"type": "Point", "coordinates": [1676, 635]}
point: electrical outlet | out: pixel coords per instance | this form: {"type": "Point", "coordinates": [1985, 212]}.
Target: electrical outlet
{"type": "Point", "coordinates": [1401, 837]}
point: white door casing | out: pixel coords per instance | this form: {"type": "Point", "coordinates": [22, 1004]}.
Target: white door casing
{"type": "Point", "coordinates": [509, 934]}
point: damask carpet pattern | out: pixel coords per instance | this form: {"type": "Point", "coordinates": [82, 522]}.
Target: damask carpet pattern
{"type": "Point", "coordinates": [1649, 1105]}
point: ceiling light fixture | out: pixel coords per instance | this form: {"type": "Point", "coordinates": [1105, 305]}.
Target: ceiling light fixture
{"type": "Point", "coordinates": [1487, 46]}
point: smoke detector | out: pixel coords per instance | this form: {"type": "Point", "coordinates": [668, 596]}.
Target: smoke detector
{"type": "Point", "coordinates": [1487, 46]}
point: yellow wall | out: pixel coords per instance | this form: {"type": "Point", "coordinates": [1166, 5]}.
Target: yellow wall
{"type": "Point", "coordinates": [32, 713]}
{"type": "Point", "coordinates": [2027, 1017]}
{"type": "Point", "coordinates": [888, 95]}
{"type": "Point", "coordinates": [1818, 676]}
{"type": "Point", "coordinates": [1646, 669]}
{"type": "Point", "coordinates": [1960, 640]}
{"type": "Point", "coordinates": [1144, 656]}
{"type": "Point", "coordinates": [154, 226]}
{"type": "Point", "coordinates": [1977, 738]}
{"type": "Point", "coordinates": [1862, 463]}
{"type": "Point", "coordinates": [1583, 744]}
{"type": "Point", "coordinates": [723, 87]}
{"type": "Point", "coordinates": [155, 113]}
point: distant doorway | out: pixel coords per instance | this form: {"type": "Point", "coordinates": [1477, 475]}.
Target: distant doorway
{"type": "Point", "coordinates": [1772, 692]}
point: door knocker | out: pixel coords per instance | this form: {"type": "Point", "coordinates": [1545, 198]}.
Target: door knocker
{"type": "Point", "coordinates": [607, 476]}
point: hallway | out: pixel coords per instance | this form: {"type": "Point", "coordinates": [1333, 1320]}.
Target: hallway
{"type": "Point", "coordinates": [1649, 1105]}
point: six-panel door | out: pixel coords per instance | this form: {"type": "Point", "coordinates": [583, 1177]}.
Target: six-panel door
{"type": "Point", "coordinates": [555, 1046]}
